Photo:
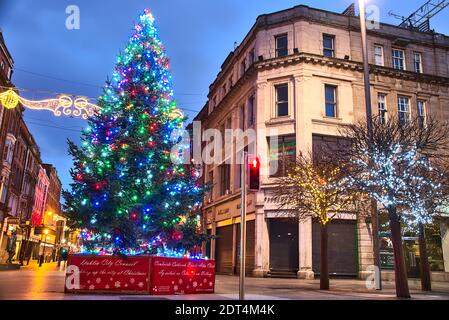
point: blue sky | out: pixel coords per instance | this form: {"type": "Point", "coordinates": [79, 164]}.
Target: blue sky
{"type": "Point", "coordinates": [198, 35]}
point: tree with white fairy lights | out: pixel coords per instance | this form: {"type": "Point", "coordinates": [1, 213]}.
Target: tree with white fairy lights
{"type": "Point", "coordinates": [425, 206]}
{"type": "Point", "coordinates": [393, 165]}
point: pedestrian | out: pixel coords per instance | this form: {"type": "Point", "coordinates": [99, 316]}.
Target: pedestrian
{"type": "Point", "coordinates": [11, 247]}
{"type": "Point", "coordinates": [64, 255]}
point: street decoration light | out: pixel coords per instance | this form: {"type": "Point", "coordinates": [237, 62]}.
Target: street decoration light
{"type": "Point", "coordinates": [62, 105]}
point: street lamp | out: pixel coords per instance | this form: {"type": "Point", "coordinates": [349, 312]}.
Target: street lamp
{"type": "Point", "coordinates": [369, 125]}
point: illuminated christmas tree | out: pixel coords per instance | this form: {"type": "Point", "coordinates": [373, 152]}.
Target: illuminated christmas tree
{"type": "Point", "coordinates": [129, 194]}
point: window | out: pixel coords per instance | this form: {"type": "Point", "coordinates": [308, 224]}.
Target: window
{"type": "Point", "coordinates": [398, 59]}
{"type": "Point", "coordinates": [242, 67]}
{"type": "Point", "coordinates": [281, 155]}
{"type": "Point", "coordinates": [4, 188]}
{"type": "Point", "coordinates": [251, 114]}
{"type": "Point", "coordinates": [331, 101]}
{"type": "Point", "coordinates": [382, 107]}
{"type": "Point", "coordinates": [242, 117]}
{"type": "Point", "coordinates": [8, 151]}
{"type": "Point", "coordinates": [421, 113]}
{"type": "Point", "coordinates": [225, 178]}
{"type": "Point", "coordinates": [281, 46]}
{"type": "Point", "coordinates": [379, 55]}
{"type": "Point", "coordinates": [403, 109]}
{"type": "Point", "coordinates": [211, 182]}
{"type": "Point", "coordinates": [417, 62]}
{"type": "Point", "coordinates": [252, 56]}
{"type": "Point", "coordinates": [281, 100]}
{"type": "Point", "coordinates": [329, 45]}
{"type": "Point", "coordinates": [2, 64]}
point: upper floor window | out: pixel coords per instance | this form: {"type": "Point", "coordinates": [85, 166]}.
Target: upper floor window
{"type": "Point", "coordinates": [398, 59]}
{"type": "Point", "coordinates": [281, 100]}
{"type": "Point", "coordinates": [225, 178]}
{"type": "Point", "coordinates": [2, 64]}
{"type": "Point", "coordinates": [282, 154]}
{"type": "Point", "coordinates": [251, 113]}
{"type": "Point", "coordinates": [8, 151]}
{"type": "Point", "coordinates": [252, 56]}
{"type": "Point", "coordinates": [379, 55]}
{"type": "Point", "coordinates": [328, 45]}
{"type": "Point", "coordinates": [421, 105]}
{"type": "Point", "coordinates": [242, 117]}
{"type": "Point", "coordinates": [243, 67]}
{"type": "Point", "coordinates": [417, 62]}
{"type": "Point", "coordinates": [382, 107]}
{"type": "Point", "coordinates": [281, 45]}
{"type": "Point", "coordinates": [403, 109]}
{"type": "Point", "coordinates": [330, 93]}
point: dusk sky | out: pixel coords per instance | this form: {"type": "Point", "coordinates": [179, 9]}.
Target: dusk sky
{"type": "Point", "coordinates": [198, 35]}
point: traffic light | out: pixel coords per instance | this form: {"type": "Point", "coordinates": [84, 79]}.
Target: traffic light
{"type": "Point", "coordinates": [254, 173]}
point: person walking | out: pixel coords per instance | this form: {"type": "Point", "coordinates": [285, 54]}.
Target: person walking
{"type": "Point", "coordinates": [64, 256]}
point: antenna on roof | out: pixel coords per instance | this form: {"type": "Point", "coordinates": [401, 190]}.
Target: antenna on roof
{"type": "Point", "coordinates": [350, 11]}
{"type": "Point", "coordinates": [420, 19]}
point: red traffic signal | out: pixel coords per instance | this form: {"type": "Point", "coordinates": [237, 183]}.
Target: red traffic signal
{"type": "Point", "coordinates": [253, 173]}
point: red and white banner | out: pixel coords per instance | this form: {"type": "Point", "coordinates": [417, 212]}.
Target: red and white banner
{"type": "Point", "coordinates": [139, 275]}
{"type": "Point", "coordinates": [108, 274]}
{"type": "Point", "coordinates": [181, 276]}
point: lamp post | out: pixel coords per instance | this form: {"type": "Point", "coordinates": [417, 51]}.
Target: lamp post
{"type": "Point", "coordinates": [243, 226]}
{"type": "Point", "coordinates": [369, 125]}
{"type": "Point", "coordinates": [43, 250]}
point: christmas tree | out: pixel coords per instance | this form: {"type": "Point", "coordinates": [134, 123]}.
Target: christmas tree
{"type": "Point", "coordinates": [129, 194]}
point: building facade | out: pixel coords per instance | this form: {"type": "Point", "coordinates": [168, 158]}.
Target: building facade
{"type": "Point", "coordinates": [24, 182]}
{"type": "Point", "coordinates": [298, 76]}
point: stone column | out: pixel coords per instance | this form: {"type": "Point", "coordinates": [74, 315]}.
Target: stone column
{"type": "Point", "coordinates": [305, 250]}
{"type": "Point", "coordinates": [445, 243]}
{"type": "Point", "coordinates": [365, 247]}
{"type": "Point", "coordinates": [262, 244]}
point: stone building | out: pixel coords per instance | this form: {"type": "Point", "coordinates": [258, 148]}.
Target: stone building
{"type": "Point", "coordinates": [298, 75]}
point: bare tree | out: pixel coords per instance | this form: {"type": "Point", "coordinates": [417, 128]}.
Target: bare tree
{"type": "Point", "coordinates": [319, 190]}
{"type": "Point", "coordinates": [391, 165]}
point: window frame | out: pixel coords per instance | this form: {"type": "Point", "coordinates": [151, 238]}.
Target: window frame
{"type": "Point", "coordinates": [277, 102]}
{"type": "Point", "coordinates": [421, 112]}
{"type": "Point", "coordinates": [419, 55]}
{"type": "Point", "coordinates": [334, 103]}
{"type": "Point", "coordinates": [251, 110]}
{"type": "Point", "coordinates": [225, 178]}
{"type": "Point", "coordinates": [395, 58]}
{"type": "Point", "coordinates": [332, 49]}
{"type": "Point", "coordinates": [406, 112]}
{"type": "Point", "coordinates": [277, 48]}
{"type": "Point", "coordinates": [281, 170]}
{"type": "Point", "coordinates": [376, 55]}
{"type": "Point", "coordinates": [382, 107]}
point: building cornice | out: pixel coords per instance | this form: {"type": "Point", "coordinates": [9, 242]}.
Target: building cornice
{"type": "Point", "coordinates": [314, 59]}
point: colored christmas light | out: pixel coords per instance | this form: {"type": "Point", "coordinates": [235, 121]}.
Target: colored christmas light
{"type": "Point", "coordinates": [127, 194]}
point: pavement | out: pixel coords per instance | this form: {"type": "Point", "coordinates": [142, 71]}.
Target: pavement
{"type": "Point", "coordinates": [47, 283]}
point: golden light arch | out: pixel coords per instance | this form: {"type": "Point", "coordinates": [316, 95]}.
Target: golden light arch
{"type": "Point", "coordinates": [62, 105]}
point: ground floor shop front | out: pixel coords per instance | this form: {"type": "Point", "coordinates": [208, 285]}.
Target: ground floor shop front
{"type": "Point", "coordinates": [283, 246]}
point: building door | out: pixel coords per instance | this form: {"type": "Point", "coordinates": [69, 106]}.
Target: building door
{"type": "Point", "coordinates": [284, 248]}
{"type": "Point", "coordinates": [223, 250]}
{"type": "Point", "coordinates": [342, 248]}
{"type": "Point", "coordinates": [250, 247]}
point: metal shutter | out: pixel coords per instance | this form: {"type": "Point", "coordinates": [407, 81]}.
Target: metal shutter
{"type": "Point", "coordinates": [342, 248]}
{"type": "Point", "coordinates": [223, 250]}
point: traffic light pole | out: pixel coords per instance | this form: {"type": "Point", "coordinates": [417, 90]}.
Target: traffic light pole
{"type": "Point", "coordinates": [243, 226]}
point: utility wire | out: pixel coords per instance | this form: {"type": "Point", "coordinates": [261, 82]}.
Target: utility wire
{"type": "Point", "coordinates": [84, 83]}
